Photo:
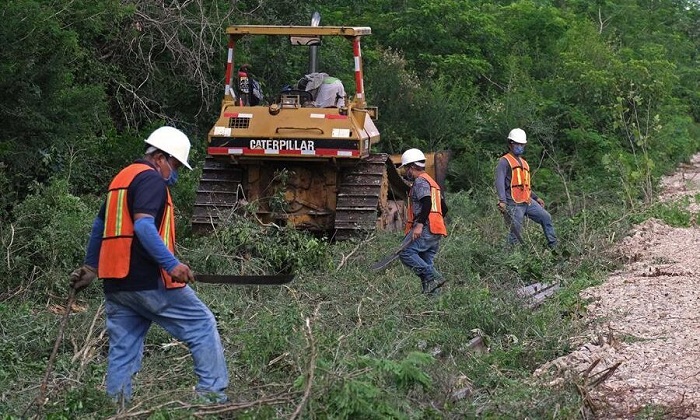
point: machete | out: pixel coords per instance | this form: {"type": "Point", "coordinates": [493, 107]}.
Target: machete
{"type": "Point", "coordinates": [394, 255]}
{"type": "Point", "coordinates": [231, 279]}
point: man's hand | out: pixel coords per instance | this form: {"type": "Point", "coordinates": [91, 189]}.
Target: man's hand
{"type": "Point", "coordinates": [82, 277]}
{"type": "Point", "coordinates": [182, 274]}
{"type": "Point", "coordinates": [502, 207]}
{"type": "Point", "coordinates": [417, 231]}
{"type": "Point", "coordinates": [540, 201]}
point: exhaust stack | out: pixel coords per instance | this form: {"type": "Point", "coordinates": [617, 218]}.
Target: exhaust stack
{"type": "Point", "coordinates": [313, 49]}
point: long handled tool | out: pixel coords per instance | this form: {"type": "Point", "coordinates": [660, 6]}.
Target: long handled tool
{"type": "Point", "coordinates": [394, 255]}
{"type": "Point", "coordinates": [40, 399]}
{"type": "Point", "coordinates": [57, 343]}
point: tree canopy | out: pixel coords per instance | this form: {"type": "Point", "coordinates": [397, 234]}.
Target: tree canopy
{"type": "Point", "coordinates": [591, 82]}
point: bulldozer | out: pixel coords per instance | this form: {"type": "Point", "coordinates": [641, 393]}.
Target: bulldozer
{"type": "Point", "coordinates": [293, 161]}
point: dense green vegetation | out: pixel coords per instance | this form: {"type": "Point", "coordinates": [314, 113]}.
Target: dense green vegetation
{"type": "Point", "coordinates": [607, 91]}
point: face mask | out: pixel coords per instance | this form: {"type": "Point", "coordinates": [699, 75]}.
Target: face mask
{"type": "Point", "coordinates": [172, 178]}
{"type": "Point", "coordinates": [518, 150]}
{"type": "Point", "coordinates": [408, 175]}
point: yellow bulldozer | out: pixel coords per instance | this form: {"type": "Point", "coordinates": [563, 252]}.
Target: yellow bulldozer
{"type": "Point", "coordinates": [294, 160]}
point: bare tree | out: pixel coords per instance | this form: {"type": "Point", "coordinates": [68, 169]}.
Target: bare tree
{"type": "Point", "coordinates": [170, 47]}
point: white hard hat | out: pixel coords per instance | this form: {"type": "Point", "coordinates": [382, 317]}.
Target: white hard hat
{"type": "Point", "coordinates": [413, 156]}
{"type": "Point", "coordinates": [517, 135]}
{"type": "Point", "coordinates": [171, 141]}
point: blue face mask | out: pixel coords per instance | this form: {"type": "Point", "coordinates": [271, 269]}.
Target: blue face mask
{"type": "Point", "coordinates": [518, 149]}
{"type": "Point", "coordinates": [172, 179]}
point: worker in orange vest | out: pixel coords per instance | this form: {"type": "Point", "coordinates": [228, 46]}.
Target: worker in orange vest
{"type": "Point", "coordinates": [131, 248]}
{"type": "Point", "coordinates": [426, 224]}
{"type": "Point", "coordinates": [515, 196]}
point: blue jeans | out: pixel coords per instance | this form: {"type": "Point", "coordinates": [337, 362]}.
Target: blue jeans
{"type": "Point", "coordinates": [537, 214]}
{"type": "Point", "coordinates": [419, 255]}
{"type": "Point", "coordinates": [184, 316]}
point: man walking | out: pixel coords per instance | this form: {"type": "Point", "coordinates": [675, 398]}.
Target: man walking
{"type": "Point", "coordinates": [515, 196]}
{"type": "Point", "coordinates": [426, 209]}
{"type": "Point", "coordinates": [131, 248]}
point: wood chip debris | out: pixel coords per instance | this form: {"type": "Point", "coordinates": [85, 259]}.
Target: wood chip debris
{"type": "Point", "coordinates": [644, 320]}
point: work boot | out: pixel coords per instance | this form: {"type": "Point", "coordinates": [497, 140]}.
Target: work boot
{"type": "Point", "coordinates": [430, 287]}
{"type": "Point", "coordinates": [439, 281]}
{"type": "Point", "coordinates": [207, 398]}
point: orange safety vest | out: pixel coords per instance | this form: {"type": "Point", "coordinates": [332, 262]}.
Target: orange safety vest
{"type": "Point", "coordinates": [519, 180]}
{"type": "Point", "coordinates": [435, 221]}
{"type": "Point", "coordinates": [118, 235]}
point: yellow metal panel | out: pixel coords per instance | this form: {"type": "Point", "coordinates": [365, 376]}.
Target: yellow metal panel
{"type": "Point", "coordinates": [308, 31]}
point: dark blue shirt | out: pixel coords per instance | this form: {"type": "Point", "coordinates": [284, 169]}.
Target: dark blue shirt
{"type": "Point", "coordinates": [147, 194]}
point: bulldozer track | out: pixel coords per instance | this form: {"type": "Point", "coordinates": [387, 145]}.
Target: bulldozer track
{"type": "Point", "coordinates": [362, 192]}
{"type": "Point", "coordinates": [359, 195]}
{"type": "Point", "coordinates": [217, 193]}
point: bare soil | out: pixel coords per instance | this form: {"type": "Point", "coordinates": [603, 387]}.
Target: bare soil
{"type": "Point", "coordinates": [640, 355]}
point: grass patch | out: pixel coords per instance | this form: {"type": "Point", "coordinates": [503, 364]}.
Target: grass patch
{"type": "Point", "coordinates": [378, 347]}
{"type": "Point", "coordinates": [675, 214]}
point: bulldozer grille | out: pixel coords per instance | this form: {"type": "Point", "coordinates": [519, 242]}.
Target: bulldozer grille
{"type": "Point", "coordinates": [238, 122]}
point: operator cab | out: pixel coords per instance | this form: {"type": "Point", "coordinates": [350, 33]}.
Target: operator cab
{"type": "Point", "coordinates": [294, 98]}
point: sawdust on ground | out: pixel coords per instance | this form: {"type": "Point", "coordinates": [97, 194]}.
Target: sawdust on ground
{"type": "Point", "coordinates": [641, 352]}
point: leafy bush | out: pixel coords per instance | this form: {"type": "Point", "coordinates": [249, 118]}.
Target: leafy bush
{"type": "Point", "coordinates": [673, 214]}
{"type": "Point", "coordinates": [243, 246]}
{"type": "Point", "coordinates": [47, 239]}
{"type": "Point", "coordinates": [406, 373]}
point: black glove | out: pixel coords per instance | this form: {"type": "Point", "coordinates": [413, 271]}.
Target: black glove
{"type": "Point", "coordinates": [82, 277]}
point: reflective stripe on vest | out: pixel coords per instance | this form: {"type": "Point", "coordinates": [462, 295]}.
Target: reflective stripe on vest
{"type": "Point", "coordinates": [519, 179]}
{"type": "Point", "coordinates": [118, 234]}
{"type": "Point", "coordinates": [436, 223]}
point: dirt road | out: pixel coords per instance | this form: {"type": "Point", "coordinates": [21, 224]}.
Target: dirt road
{"type": "Point", "coordinates": [644, 321]}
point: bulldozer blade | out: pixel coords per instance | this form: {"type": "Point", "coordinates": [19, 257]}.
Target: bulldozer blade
{"type": "Point", "coordinates": [394, 255]}
{"type": "Point", "coordinates": [243, 280]}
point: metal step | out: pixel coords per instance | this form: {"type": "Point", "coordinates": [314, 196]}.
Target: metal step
{"type": "Point", "coordinates": [217, 192]}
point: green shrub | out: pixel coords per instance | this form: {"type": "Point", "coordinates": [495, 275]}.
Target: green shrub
{"type": "Point", "coordinates": [47, 238]}
{"type": "Point", "coordinates": [243, 246]}
{"type": "Point", "coordinates": [674, 214]}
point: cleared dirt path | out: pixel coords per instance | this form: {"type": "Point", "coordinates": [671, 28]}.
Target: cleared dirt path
{"type": "Point", "coordinates": [644, 321]}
